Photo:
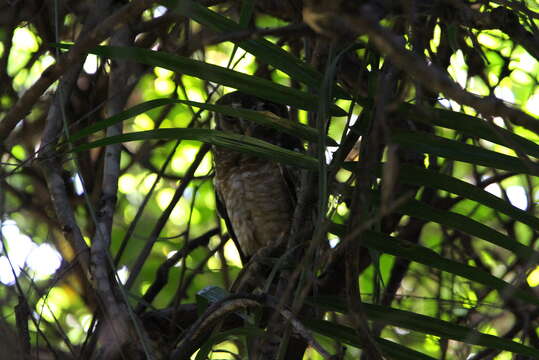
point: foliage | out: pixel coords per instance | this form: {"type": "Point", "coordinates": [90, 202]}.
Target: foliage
{"type": "Point", "coordinates": [415, 232]}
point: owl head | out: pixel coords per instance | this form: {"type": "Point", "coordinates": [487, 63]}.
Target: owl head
{"type": "Point", "coordinates": [246, 127]}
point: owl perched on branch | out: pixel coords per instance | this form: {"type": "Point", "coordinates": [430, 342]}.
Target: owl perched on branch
{"type": "Point", "coordinates": [255, 196]}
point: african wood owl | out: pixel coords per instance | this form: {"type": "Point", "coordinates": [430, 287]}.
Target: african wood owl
{"type": "Point", "coordinates": [255, 196]}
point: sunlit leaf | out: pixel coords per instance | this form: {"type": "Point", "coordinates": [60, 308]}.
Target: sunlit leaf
{"type": "Point", "coordinates": [470, 126]}
{"type": "Point", "coordinates": [349, 336]}
{"type": "Point", "coordinates": [427, 325]}
{"type": "Point", "coordinates": [240, 143]}
{"type": "Point", "coordinates": [246, 83]}
{"type": "Point", "coordinates": [422, 177]}
{"type": "Point", "coordinates": [465, 224]}
{"type": "Point", "coordinates": [263, 118]}
{"type": "Point", "coordinates": [261, 48]}
{"type": "Point", "coordinates": [423, 255]}
{"type": "Point", "coordinates": [451, 149]}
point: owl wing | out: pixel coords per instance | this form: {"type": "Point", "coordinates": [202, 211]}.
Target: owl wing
{"type": "Point", "coordinates": [221, 209]}
{"type": "Point", "coordinates": [291, 177]}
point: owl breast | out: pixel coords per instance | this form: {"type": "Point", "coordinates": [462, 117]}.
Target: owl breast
{"type": "Point", "coordinates": [256, 197]}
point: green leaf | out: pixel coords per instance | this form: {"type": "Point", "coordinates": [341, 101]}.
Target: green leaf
{"type": "Point", "coordinates": [427, 324]}
{"type": "Point", "coordinates": [262, 118]}
{"type": "Point", "coordinates": [463, 223]}
{"type": "Point", "coordinates": [349, 336]}
{"type": "Point", "coordinates": [469, 125]}
{"type": "Point", "coordinates": [247, 83]}
{"type": "Point", "coordinates": [435, 145]}
{"type": "Point", "coordinates": [416, 176]}
{"type": "Point", "coordinates": [426, 256]}
{"type": "Point", "coordinates": [247, 10]}
{"type": "Point", "coordinates": [240, 143]}
{"type": "Point", "coordinates": [263, 49]}
{"type": "Point", "coordinates": [396, 247]}
{"type": "Point", "coordinates": [124, 115]}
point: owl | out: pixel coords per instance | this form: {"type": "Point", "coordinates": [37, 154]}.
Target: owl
{"type": "Point", "coordinates": [255, 196]}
